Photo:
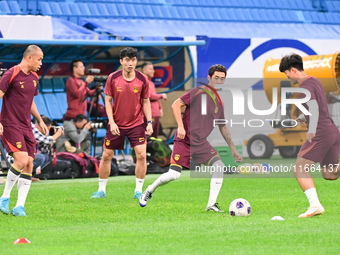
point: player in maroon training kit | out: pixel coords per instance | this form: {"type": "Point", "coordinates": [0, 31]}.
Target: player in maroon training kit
{"type": "Point", "coordinates": [129, 90]}
{"type": "Point", "coordinates": [18, 86]}
{"type": "Point", "coordinates": [323, 136]}
{"type": "Point", "coordinates": [191, 137]}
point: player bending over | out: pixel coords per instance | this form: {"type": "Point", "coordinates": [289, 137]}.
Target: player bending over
{"type": "Point", "coordinates": [323, 136]}
{"type": "Point", "coordinates": [191, 137]}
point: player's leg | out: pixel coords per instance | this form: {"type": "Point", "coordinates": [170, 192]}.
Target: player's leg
{"type": "Point", "coordinates": [24, 184]}
{"type": "Point", "coordinates": [111, 143]}
{"type": "Point", "coordinates": [140, 170]}
{"type": "Point", "coordinates": [215, 183]}
{"type": "Point", "coordinates": [180, 157]}
{"type": "Point", "coordinates": [104, 173]}
{"type": "Point", "coordinates": [306, 183]}
{"type": "Point", "coordinates": [20, 160]}
{"type": "Point", "coordinates": [331, 161]}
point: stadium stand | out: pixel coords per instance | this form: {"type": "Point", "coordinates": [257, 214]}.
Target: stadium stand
{"type": "Point", "coordinates": [288, 11]}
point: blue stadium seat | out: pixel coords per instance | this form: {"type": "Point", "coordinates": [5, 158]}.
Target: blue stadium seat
{"type": "Point", "coordinates": [84, 9]}
{"type": "Point", "coordinates": [123, 12]}
{"type": "Point", "coordinates": [182, 12]}
{"type": "Point", "coordinates": [56, 10]}
{"type": "Point", "coordinates": [41, 106]}
{"type": "Point", "coordinates": [93, 9]}
{"type": "Point", "coordinates": [132, 13]}
{"type": "Point", "coordinates": [52, 106]}
{"type": "Point", "coordinates": [46, 85]}
{"type": "Point", "coordinates": [113, 10]}
{"type": "Point", "coordinates": [65, 7]}
{"type": "Point", "coordinates": [75, 9]}
{"type": "Point", "coordinates": [58, 85]}
{"type": "Point", "coordinates": [103, 10]}
{"type": "Point", "coordinates": [45, 8]}
{"type": "Point", "coordinates": [62, 102]}
{"type": "Point", "coordinates": [4, 8]}
{"type": "Point", "coordinates": [14, 6]}
{"type": "Point", "coordinates": [147, 10]}
{"type": "Point", "coordinates": [142, 12]}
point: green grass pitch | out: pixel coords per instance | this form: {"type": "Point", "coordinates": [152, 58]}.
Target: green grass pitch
{"type": "Point", "coordinates": [62, 219]}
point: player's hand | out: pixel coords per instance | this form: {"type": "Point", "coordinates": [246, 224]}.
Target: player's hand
{"type": "Point", "coordinates": [310, 136]}
{"type": "Point", "coordinates": [43, 127]}
{"type": "Point", "coordinates": [149, 129]}
{"type": "Point", "coordinates": [301, 119]}
{"type": "Point", "coordinates": [1, 129]}
{"type": "Point", "coordinates": [114, 129]}
{"type": "Point", "coordinates": [181, 132]}
{"type": "Point", "coordinates": [164, 96]}
{"type": "Point", "coordinates": [89, 79]}
{"type": "Point", "coordinates": [237, 156]}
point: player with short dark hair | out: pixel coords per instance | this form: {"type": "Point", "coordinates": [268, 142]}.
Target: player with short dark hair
{"type": "Point", "coordinates": [191, 137]}
{"type": "Point", "coordinates": [18, 86]}
{"type": "Point", "coordinates": [127, 98]}
{"type": "Point", "coordinates": [323, 136]}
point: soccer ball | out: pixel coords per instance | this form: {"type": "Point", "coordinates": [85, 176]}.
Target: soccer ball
{"type": "Point", "coordinates": [239, 207]}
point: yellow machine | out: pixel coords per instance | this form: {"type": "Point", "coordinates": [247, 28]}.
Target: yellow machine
{"type": "Point", "coordinates": [289, 139]}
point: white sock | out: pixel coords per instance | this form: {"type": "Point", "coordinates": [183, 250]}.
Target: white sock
{"type": "Point", "coordinates": [139, 184]}
{"type": "Point", "coordinates": [102, 185]}
{"type": "Point", "coordinates": [24, 184]}
{"type": "Point", "coordinates": [312, 197]}
{"type": "Point", "coordinates": [12, 177]}
{"type": "Point", "coordinates": [216, 182]}
{"type": "Point", "coordinates": [163, 179]}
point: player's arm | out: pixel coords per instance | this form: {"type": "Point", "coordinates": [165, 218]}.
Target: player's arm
{"type": "Point", "coordinates": [177, 110]}
{"type": "Point", "coordinates": [108, 108]}
{"type": "Point", "coordinates": [36, 115]}
{"type": "Point", "coordinates": [313, 119]}
{"type": "Point", "coordinates": [1, 94]}
{"type": "Point", "coordinates": [147, 114]}
{"type": "Point", "coordinates": [227, 137]}
{"type": "Point", "coordinates": [1, 127]}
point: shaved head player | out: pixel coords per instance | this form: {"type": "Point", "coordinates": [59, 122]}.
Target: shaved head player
{"type": "Point", "coordinates": [18, 86]}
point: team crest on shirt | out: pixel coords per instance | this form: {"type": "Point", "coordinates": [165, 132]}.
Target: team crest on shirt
{"type": "Point", "coordinates": [34, 83]}
{"type": "Point", "coordinates": [107, 143]}
{"type": "Point", "coordinates": [212, 151]}
{"type": "Point", "coordinates": [216, 109]}
{"type": "Point", "coordinates": [177, 156]}
{"type": "Point", "coordinates": [135, 89]}
{"type": "Point", "coordinates": [19, 145]}
{"type": "Point", "coordinates": [141, 139]}
{"type": "Point", "coordinates": [119, 89]}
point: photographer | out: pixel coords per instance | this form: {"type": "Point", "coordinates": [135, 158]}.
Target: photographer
{"type": "Point", "coordinates": [76, 136]}
{"type": "Point", "coordinates": [77, 90]}
{"type": "Point", "coordinates": [44, 143]}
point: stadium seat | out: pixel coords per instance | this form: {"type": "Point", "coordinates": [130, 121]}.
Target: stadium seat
{"type": "Point", "coordinates": [132, 13]}
{"type": "Point", "coordinates": [14, 6]}
{"type": "Point", "coordinates": [58, 85]}
{"type": "Point", "coordinates": [93, 9]}
{"type": "Point", "coordinates": [46, 85]}
{"type": "Point", "coordinates": [62, 102]}
{"type": "Point", "coordinates": [56, 10]}
{"type": "Point", "coordinates": [84, 9]}
{"type": "Point", "coordinates": [52, 106]}
{"type": "Point", "coordinates": [4, 8]}
{"type": "Point", "coordinates": [65, 7]}
{"type": "Point", "coordinates": [41, 106]}
{"type": "Point", "coordinates": [45, 8]}
{"type": "Point", "coordinates": [103, 10]}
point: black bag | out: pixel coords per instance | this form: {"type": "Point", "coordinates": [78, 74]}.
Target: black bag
{"type": "Point", "coordinates": [62, 170]}
{"type": "Point", "coordinates": [114, 167]}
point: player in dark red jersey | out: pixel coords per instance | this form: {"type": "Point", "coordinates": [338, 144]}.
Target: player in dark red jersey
{"type": "Point", "coordinates": [323, 136]}
{"type": "Point", "coordinates": [129, 91]}
{"type": "Point", "coordinates": [191, 136]}
{"type": "Point", "coordinates": [18, 86]}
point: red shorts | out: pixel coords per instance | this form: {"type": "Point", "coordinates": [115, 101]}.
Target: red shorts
{"type": "Point", "coordinates": [136, 136]}
{"type": "Point", "coordinates": [324, 148]}
{"type": "Point", "coordinates": [18, 139]}
{"type": "Point", "coordinates": [183, 152]}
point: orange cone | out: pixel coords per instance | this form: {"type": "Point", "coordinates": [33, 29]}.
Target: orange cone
{"type": "Point", "coordinates": [22, 240]}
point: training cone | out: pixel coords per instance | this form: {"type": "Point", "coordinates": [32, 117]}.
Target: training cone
{"type": "Point", "coordinates": [22, 240]}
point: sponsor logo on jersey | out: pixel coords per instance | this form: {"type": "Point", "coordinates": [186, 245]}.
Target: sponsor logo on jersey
{"type": "Point", "coordinates": [19, 145]}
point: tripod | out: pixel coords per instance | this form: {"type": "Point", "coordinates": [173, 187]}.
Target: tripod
{"type": "Point", "coordinates": [94, 98]}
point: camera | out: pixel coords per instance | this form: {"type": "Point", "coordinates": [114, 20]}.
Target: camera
{"type": "Point", "coordinates": [97, 125]}
{"type": "Point", "coordinates": [54, 129]}
{"type": "Point", "coordinates": [98, 80]}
